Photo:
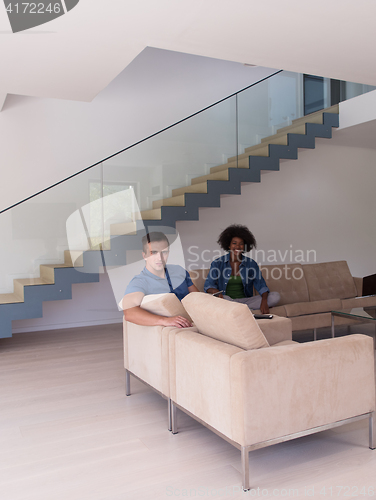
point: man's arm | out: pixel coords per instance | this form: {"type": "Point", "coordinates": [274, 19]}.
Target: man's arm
{"type": "Point", "coordinates": [135, 314]}
{"type": "Point", "coordinates": [142, 317]}
{"type": "Point", "coordinates": [193, 288]}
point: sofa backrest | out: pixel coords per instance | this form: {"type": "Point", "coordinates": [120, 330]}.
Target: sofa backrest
{"type": "Point", "coordinates": [198, 276]}
{"type": "Point", "coordinates": [288, 280]}
{"type": "Point", "coordinates": [301, 282]}
{"type": "Point", "coordinates": [329, 280]}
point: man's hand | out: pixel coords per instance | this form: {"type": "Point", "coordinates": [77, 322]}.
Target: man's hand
{"type": "Point", "coordinates": [177, 321]}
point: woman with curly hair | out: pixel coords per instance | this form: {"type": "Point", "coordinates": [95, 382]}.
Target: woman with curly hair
{"type": "Point", "coordinates": [234, 275]}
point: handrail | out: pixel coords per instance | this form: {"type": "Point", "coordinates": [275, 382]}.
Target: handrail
{"type": "Point", "coordinates": [139, 142]}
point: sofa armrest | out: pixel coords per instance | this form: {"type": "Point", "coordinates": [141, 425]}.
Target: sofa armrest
{"type": "Point", "coordinates": [146, 354]}
{"type": "Point", "coordinates": [359, 286]}
{"type": "Point", "coordinates": [288, 389]}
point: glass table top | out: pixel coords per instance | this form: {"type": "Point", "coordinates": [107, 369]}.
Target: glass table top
{"type": "Point", "coordinates": [358, 312]}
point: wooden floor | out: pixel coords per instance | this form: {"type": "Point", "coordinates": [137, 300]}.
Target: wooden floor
{"type": "Point", "coordinates": [68, 432]}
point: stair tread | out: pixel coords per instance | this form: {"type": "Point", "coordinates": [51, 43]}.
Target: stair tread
{"type": "Point", "coordinates": [257, 149]}
{"type": "Point", "coordinates": [222, 175]}
{"type": "Point", "coordinates": [152, 214]}
{"type": "Point", "coordinates": [201, 187]}
{"type": "Point", "coordinates": [56, 266]}
{"type": "Point", "coordinates": [33, 281]}
{"type": "Point", "coordinates": [10, 298]}
{"type": "Point", "coordinates": [291, 129]}
{"type": "Point", "coordinates": [172, 201]}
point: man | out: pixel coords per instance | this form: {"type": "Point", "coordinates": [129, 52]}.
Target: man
{"type": "Point", "coordinates": [156, 278]}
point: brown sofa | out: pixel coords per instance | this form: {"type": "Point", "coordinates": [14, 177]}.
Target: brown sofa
{"type": "Point", "coordinates": [225, 373]}
{"type": "Point", "coordinates": [309, 292]}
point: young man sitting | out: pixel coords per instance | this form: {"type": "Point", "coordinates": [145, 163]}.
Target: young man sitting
{"type": "Point", "coordinates": [155, 278]}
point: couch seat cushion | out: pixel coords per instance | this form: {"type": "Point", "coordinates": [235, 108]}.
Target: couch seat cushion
{"type": "Point", "coordinates": [318, 306]}
{"type": "Point", "coordinates": [226, 321]}
{"type": "Point", "coordinates": [164, 304]}
{"type": "Point", "coordinates": [276, 329]}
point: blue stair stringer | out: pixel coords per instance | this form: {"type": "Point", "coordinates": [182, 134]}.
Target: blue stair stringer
{"type": "Point", "coordinates": [35, 295]}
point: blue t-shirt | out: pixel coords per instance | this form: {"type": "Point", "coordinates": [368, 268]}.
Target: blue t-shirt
{"type": "Point", "coordinates": [148, 283]}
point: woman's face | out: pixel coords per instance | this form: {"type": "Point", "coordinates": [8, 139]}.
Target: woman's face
{"type": "Point", "coordinates": [236, 248]}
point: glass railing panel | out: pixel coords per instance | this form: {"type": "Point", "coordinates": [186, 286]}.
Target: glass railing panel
{"type": "Point", "coordinates": [34, 232]}
{"type": "Point", "coordinates": [171, 159]}
{"type": "Point", "coordinates": [115, 191]}
{"type": "Point", "coordinates": [266, 107]}
{"type": "Point", "coordinates": [348, 90]}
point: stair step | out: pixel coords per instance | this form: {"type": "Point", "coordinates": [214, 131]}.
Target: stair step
{"type": "Point", "coordinates": [122, 228]}
{"type": "Point", "coordinates": [201, 187]}
{"type": "Point", "coordinates": [74, 258]}
{"type": "Point", "coordinates": [10, 298]}
{"type": "Point", "coordinates": [281, 134]}
{"type": "Point", "coordinates": [33, 281]}
{"type": "Point", "coordinates": [316, 117]}
{"type": "Point", "coordinates": [47, 271]}
{"type": "Point", "coordinates": [242, 163]}
{"type": "Point", "coordinates": [153, 214]}
{"type": "Point", "coordinates": [257, 150]}
{"type": "Point", "coordinates": [173, 201]}
{"type": "Point", "coordinates": [217, 176]}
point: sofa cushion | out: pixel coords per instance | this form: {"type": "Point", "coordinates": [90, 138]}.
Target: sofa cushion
{"type": "Point", "coordinates": [329, 280]}
{"type": "Point", "coordinates": [164, 304]}
{"type": "Point", "coordinates": [288, 280]}
{"type": "Point", "coordinates": [318, 306]}
{"type": "Point", "coordinates": [224, 320]}
{"type": "Point", "coordinates": [276, 311]}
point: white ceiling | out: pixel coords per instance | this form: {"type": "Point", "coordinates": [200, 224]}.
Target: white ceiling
{"type": "Point", "coordinates": [77, 55]}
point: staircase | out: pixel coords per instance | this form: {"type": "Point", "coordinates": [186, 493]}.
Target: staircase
{"type": "Point", "coordinates": [56, 280]}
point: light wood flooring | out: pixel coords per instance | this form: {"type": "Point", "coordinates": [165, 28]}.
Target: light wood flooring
{"type": "Point", "coordinates": [68, 432]}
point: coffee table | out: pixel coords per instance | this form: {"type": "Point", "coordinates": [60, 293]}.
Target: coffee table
{"type": "Point", "coordinates": [365, 315]}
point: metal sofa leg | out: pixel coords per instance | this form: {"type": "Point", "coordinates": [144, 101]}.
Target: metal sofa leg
{"type": "Point", "coordinates": [245, 467]}
{"type": "Point", "coordinates": [169, 414]}
{"type": "Point", "coordinates": [174, 424]}
{"type": "Point", "coordinates": [315, 334]}
{"type": "Point", "coordinates": [372, 436]}
{"type": "Point", "coordinates": [127, 383]}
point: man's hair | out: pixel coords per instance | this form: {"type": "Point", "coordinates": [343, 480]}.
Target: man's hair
{"type": "Point", "coordinates": [237, 231]}
{"type": "Point", "coordinates": [151, 237]}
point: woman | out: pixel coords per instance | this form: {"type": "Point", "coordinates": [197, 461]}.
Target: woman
{"type": "Point", "coordinates": [234, 275]}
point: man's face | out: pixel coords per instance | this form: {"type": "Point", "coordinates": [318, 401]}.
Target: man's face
{"type": "Point", "coordinates": [156, 256]}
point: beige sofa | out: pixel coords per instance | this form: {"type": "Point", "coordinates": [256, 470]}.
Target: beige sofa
{"type": "Point", "coordinates": [309, 292]}
{"type": "Point", "coordinates": [225, 373]}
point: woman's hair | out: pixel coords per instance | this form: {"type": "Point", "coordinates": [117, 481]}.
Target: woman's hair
{"type": "Point", "coordinates": [237, 231]}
